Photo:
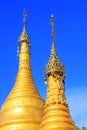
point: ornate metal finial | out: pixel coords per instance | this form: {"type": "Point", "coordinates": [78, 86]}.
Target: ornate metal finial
{"type": "Point", "coordinates": [25, 15]}
{"type": "Point", "coordinates": [54, 65]}
{"type": "Point", "coordinates": [52, 23]}
{"type": "Point", "coordinates": [24, 36]}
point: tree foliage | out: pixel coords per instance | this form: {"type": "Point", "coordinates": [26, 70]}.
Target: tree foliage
{"type": "Point", "coordinates": [83, 128]}
{"type": "Point", "coordinates": [77, 128]}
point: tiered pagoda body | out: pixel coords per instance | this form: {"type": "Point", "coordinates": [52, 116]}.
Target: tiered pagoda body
{"type": "Point", "coordinates": [23, 108]}
{"type": "Point", "coordinates": [56, 113]}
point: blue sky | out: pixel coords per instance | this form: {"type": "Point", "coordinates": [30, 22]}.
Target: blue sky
{"type": "Point", "coordinates": [70, 40]}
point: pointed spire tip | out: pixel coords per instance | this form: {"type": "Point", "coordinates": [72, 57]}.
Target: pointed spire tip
{"type": "Point", "coordinates": [24, 35]}
{"type": "Point", "coordinates": [54, 64]}
{"type": "Point", "coordinates": [25, 15]}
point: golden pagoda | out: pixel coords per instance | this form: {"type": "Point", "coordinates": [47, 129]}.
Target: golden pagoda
{"type": "Point", "coordinates": [56, 111]}
{"type": "Point", "coordinates": [23, 108]}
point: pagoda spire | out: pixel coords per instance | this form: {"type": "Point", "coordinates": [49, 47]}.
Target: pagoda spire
{"type": "Point", "coordinates": [24, 35]}
{"type": "Point", "coordinates": [53, 32]}
{"type": "Point", "coordinates": [56, 112]}
{"type": "Point", "coordinates": [54, 64]}
{"type": "Point", "coordinates": [23, 108]}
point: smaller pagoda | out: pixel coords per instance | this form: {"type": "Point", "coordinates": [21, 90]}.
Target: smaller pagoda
{"type": "Point", "coordinates": [56, 112]}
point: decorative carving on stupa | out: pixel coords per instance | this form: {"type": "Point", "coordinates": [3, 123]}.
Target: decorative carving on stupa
{"type": "Point", "coordinates": [23, 108]}
{"type": "Point", "coordinates": [56, 112]}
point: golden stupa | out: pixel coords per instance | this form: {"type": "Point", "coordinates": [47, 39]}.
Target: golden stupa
{"type": "Point", "coordinates": [23, 108]}
{"type": "Point", "coordinates": [56, 111]}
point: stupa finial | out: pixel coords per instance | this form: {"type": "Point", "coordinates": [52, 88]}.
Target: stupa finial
{"type": "Point", "coordinates": [54, 65]}
{"type": "Point", "coordinates": [25, 15]}
{"type": "Point", "coordinates": [53, 31]}
{"type": "Point", "coordinates": [24, 37]}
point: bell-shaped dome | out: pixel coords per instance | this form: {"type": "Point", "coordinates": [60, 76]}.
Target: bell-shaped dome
{"type": "Point", "coordinates": [23, 108]}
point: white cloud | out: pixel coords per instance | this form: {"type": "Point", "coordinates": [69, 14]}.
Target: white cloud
{"type": "Point", "coordinates": [77, 99]}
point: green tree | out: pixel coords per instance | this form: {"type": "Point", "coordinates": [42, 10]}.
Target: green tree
{"type": "Point", "coordinates": [84, 128]}
{"type": "Point", "coordinates": [77, 128]}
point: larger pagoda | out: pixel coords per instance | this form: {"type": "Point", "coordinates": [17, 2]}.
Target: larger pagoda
{"type": "Point", "coordinates": [56, 113]}
{"type": "Point", "coordinates": [23, 108]}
